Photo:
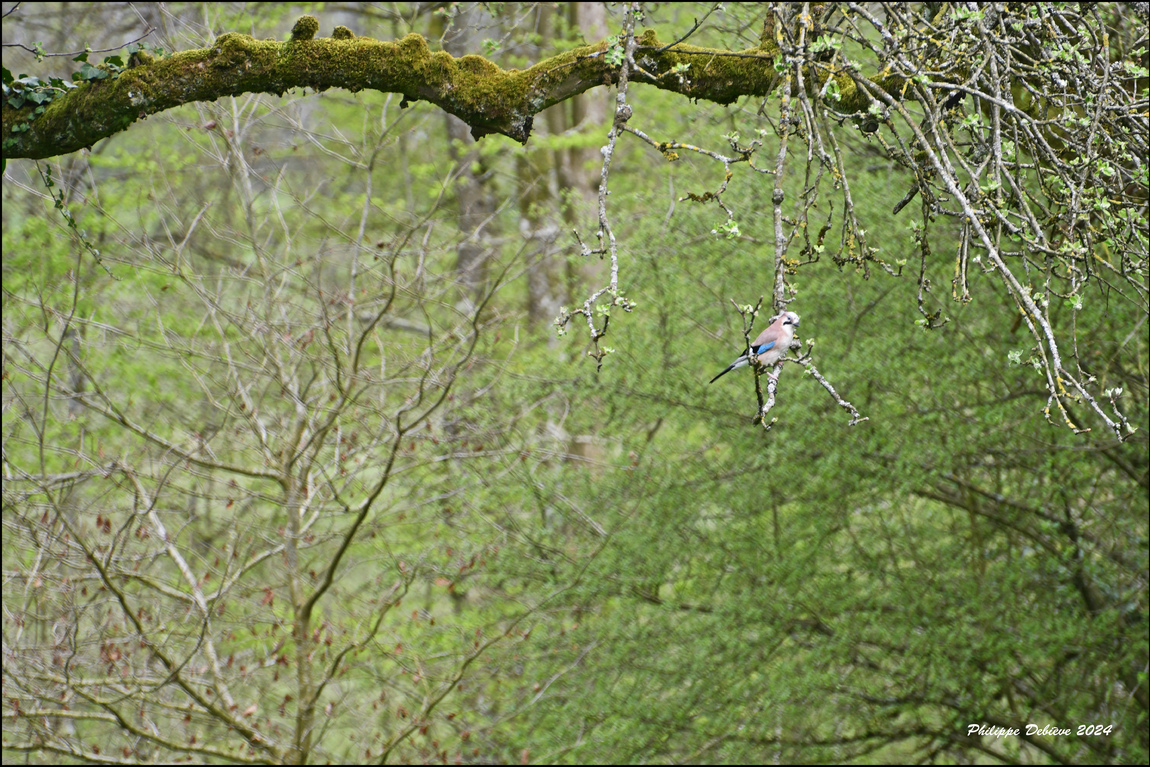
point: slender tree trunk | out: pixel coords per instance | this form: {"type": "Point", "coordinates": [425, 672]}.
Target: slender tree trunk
{"type": "Point", "coordinates": [570, 173]}
{"type": "Point", "coordinates": [475, 201]}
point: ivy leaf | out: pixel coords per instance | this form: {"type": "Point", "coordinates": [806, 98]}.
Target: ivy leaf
{"type": "Point", "coordinates": [89, 72]}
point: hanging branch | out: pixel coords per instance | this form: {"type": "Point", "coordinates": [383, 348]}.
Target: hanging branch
{"type": "Point", "coordinates": [622, 114]}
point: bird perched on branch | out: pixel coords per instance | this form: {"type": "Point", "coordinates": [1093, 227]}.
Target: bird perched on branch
{"type": "Point", "coordinates": [771, 345]}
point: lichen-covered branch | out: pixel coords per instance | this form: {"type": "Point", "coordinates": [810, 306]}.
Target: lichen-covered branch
{"type": "Point", "coordinates": [487, 98]}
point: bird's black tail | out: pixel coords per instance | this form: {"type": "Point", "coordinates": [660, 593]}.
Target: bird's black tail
{"type": "Point", "coordinates": [720, 375]}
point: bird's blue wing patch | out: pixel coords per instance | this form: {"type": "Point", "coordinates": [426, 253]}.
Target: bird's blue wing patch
{"type": "Point", "coordinates": [764, 347]}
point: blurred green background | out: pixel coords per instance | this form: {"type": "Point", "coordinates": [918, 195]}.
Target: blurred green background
{"type": "Point", "coordinates": [663, 580]}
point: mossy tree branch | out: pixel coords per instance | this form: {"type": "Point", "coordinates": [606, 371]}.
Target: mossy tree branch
{"type": "Point", "coordinates": [487, 98]}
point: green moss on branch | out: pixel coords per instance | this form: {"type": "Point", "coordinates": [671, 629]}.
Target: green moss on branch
{"type": "Point", "coordinates": [489, 99]}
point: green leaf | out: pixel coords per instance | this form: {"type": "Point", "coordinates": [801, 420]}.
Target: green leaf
{"type": "Point", "coordinates": [89, 72]}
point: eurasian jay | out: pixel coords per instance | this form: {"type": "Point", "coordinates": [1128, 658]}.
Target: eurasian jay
{"type": "Point", "coordinates": [771, 345]}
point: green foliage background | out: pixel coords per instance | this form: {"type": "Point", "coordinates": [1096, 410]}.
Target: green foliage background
{"type": "Point", "coordinates": [700, 589]}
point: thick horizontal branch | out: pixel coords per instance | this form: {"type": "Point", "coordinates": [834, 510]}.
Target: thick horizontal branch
{"type": "Point", "coordinates": [487, 98]}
